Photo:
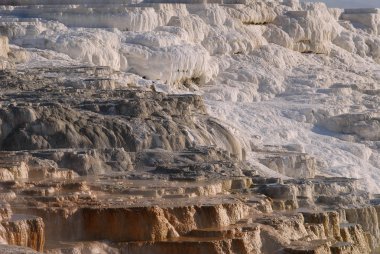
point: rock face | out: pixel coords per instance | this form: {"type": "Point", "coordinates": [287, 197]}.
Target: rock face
{"type": "Point", "coordinates": [290, 164]}
{"type": "Point", "coordinates": [4, 46]}
{"type": "Point", "coordinates": [218, 217]}
{"type": "Point", "coordinates": [369, 19]}
{"type": "Point", "coordinates": [231, 126]}
{"type": "Point", "coordinates": [365, 125]}
{"type": "Point", "coordinates": [27, 232]}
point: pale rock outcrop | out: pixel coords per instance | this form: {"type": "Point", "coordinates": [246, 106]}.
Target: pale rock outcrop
{"type": "Point", "coordinates": [329, 220]}
{"type": "Point", "coordinates": [367, 217]}
{"type": "Point", "coordinates": [368, 19]}
{"type": "Point", "coordinates": [5, 211]}
{"type": "Point", "coordinates": [310, 30]}
{"type": "Point", "coordinates": [24, 231]}
{"type": "Point", "coordinates": [4, 47]}
{"type": "Point", "coordinates": [364, 125]}
{"type": "Point", "coordinates": [258, 13]}
{"type": "Point", "coordinates": [160, 135]}
{"type": "Point", "coordinates": [19, 170]}
{"type": "Point", "coordinates": [291, 164]}
{"type": "Point", "coordinates": [353, 233]}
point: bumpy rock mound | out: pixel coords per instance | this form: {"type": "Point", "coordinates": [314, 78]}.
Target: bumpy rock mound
{"type": "Point", "coordinates": [110, 124]}
{"type": "Point", "coordinates": [205, 127]}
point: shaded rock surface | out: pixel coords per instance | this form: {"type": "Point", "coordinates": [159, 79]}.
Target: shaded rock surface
{"type": "Point", "coordinates": [133, 170]}
{"type": "Point", "coordinates": [198, 127]}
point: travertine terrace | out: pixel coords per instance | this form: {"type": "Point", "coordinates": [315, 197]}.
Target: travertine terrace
{"type": "Point", "coordinates": [171, 127]}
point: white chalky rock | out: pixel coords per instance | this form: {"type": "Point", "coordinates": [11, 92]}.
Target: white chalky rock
{"type": "Point", "coordinates": [277, 72]}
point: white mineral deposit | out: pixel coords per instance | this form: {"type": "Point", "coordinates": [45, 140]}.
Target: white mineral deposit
{"type": "Point", "coordinates": [189, 126]}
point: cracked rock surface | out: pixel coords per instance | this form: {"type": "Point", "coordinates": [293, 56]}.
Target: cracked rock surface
{"type": "Point", "coordinates": [188, 127]}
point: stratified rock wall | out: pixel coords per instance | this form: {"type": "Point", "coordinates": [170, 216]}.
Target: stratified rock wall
{"type": "Point", "coordinates": [222, 126]}
{"type": "Point", "coordinates": [28, 232]}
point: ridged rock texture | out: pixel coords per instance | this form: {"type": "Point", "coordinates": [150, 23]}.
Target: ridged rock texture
{"type": "Point", "coordinates": [221, 126]}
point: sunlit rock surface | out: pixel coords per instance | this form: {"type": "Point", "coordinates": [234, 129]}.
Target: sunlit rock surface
{"type": "Point", "coordinates": [222, 126]}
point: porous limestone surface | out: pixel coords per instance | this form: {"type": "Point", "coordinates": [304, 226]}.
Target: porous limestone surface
{"type": "Point", "coordinates": [234, 126]}
{"type": "Point", "coordinates": [90, 164]}
{"type": "Point", "coordinates": [277, 72]}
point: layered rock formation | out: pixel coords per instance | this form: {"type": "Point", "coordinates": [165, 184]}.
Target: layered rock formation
{"type": "Point", "coordinates": [197, 127]}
